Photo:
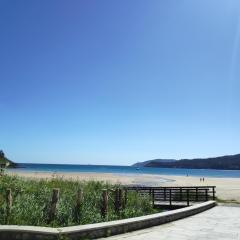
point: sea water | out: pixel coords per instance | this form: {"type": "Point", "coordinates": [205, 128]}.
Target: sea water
{"type": "Point", "coordinates": [29, 167]}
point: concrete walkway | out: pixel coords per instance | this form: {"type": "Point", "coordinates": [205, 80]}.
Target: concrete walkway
{"type": "Point", "coordinates": [220, 222]}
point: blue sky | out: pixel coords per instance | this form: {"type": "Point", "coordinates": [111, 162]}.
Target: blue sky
{"type": "Point", "coordinates": [116, 82]}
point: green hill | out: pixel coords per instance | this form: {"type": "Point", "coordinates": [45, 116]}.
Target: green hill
{"type": "Point", "coordinates": [4, 161]}
{"type": "Point", "coordinates": [230, 162]}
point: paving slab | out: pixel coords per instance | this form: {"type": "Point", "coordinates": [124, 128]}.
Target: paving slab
{"type": "Point", "coordinates": [218, 223]}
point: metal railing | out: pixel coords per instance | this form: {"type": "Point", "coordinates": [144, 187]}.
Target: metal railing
{"type": "Point", "coordinates": [177, 194]}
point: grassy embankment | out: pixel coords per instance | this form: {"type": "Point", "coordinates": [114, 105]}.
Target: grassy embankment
{"type": "Point", "coordinates": [228, 201]}
{"type": "Point", "coordinates": [31, 202]}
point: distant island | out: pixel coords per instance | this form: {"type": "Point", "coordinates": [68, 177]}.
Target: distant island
{"type": "Point", "coordinates": [5, 162]}
{"type": "Point", "coordinates": [229, 162]}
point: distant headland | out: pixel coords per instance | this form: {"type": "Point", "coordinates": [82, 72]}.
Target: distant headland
{"type": "Point", "coordinates": [229, 162]}
{"type": "Point", "coordinates": [5, 162]}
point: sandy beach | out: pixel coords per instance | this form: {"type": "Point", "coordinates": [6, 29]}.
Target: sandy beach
{"type": "Point", "coordinates": [227, 188]}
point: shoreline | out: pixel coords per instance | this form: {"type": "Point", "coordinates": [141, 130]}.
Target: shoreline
{"type": "Point", "coordinates": [228, 189]}
{"type": "Point", "coordinates": [115, 178]}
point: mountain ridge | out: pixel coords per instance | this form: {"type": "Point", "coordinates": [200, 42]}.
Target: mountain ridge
{"type": "Point", "coordinates": [227, 162]}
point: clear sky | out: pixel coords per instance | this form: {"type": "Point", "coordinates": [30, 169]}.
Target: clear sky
{"type": "Point", "coordinates": [116, 82]}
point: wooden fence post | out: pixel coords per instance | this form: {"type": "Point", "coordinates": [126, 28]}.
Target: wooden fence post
{"type": "Point", "coordinates": [79, 197]}
{"type": "Point", "coordinates": [104, 207]}
{"type": "Point", "coordinates": [53, 205]}
{"type": "Point", "coordinates": [116, 200]}
{"type": "Point", "coordinates": [9, 203]}
{"type": "Point", "coordinates": [125, 197]}
{"type": "Point", "coordinates": [121, 203]}
{"type": "Point", "coordinates": [77, 210]}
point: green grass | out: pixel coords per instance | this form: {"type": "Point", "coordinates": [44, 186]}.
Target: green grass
{"type": "Point", "coordinates": [31, 199]}
{"type": "Point", "coordinates": [227, 201]}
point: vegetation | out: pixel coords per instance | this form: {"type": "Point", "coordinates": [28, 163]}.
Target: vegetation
{"type": "Point", "coordinates": [231, 162]}
{"type": "Point", "coordinates": [5, 162]}
{"type": "Point", "coordinates": [227, 201]}
{"type": "Point", "coordinates": [31, 201]}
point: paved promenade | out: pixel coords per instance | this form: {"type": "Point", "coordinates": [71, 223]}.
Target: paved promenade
{"type": "Point", "coordinates": [218, 223]}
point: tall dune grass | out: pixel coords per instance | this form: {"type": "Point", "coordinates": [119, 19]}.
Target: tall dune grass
{"type": "Point", "coordinates": [31, 199]}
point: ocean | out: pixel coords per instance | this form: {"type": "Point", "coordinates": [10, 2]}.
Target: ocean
{"type": "Point", "coordinates": [29, 167]}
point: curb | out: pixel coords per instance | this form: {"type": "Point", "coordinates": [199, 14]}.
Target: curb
{"type": "Point", "coordinates": [98, 230]}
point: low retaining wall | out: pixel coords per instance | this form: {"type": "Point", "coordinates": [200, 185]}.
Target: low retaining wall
{"type": "Point", "coordinates": [98, 230]}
